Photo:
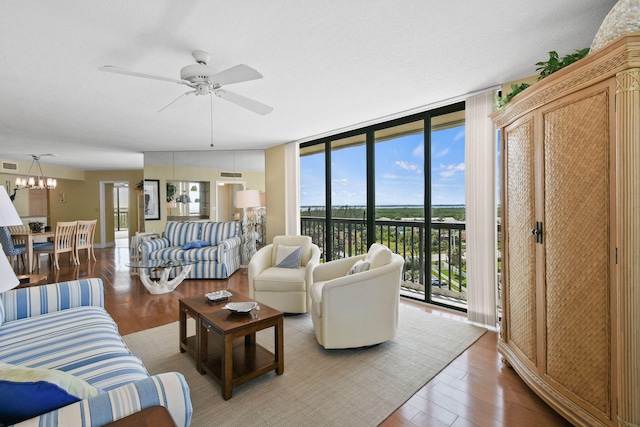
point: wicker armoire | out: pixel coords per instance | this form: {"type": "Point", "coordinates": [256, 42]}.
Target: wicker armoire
{"type": "Point", "coordinates": [570, 166]}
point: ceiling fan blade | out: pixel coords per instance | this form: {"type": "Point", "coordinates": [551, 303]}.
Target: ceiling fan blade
{"type": "Point", "coordinates": [118, 70]}
{"type": "Point", "coordinates": [249, 104]}
{"type": "Point", "coordinates": [176, 100]}
{"type": "Point", "coordinates": [237, 74]}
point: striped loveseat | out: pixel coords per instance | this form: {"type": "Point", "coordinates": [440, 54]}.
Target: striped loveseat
{"type": "Point", "coordinates": [64, 327]}
{"type": "Point", "coordinates": [215, 245]}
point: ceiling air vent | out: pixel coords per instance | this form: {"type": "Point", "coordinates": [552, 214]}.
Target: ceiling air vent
{"type": "Point", "coordinates": [231, 174]}
{"type": "Point", "coordinates": [9, 166]}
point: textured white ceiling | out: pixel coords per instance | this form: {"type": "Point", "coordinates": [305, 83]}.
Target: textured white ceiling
{"type": "Point", "coordinates": [327, 65]}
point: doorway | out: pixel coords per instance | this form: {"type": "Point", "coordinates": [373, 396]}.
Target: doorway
{"type": "Point", "coordinates": [225, 200]}
{"type": "Point", "coordinates": [114, 214]}
{"type": "Point", "coordinates": [121, 214]}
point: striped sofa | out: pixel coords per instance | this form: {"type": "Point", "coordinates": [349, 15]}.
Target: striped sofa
{"type": "Point", "coordinates": [218, 260]}
{"type": "Point", "coordinates": [64, 326]}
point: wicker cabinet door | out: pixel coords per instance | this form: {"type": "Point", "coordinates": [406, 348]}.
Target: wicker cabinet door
{"type": "Point", "coordinates": [577, 247]}
{"type": "Point", "coordinates": [519, 262]}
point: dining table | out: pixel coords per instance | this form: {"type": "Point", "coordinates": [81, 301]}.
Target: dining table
{"type": "Point", "coordinates": [29, 239]}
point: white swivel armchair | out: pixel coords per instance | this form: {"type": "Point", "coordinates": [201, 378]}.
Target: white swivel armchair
{"type": "Point", "coordinates": [355, 301]}
{"type": "Point", "coordinates": [280, 274]}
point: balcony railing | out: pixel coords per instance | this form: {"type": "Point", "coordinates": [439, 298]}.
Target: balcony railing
{"type": "Point", "coordinates": [438, 262]}
{"type": "Point", "coordinates": [121, 219]}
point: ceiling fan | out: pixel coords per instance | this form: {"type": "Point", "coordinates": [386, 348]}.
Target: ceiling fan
{"type": "Point", "coordinates": [205, 81]}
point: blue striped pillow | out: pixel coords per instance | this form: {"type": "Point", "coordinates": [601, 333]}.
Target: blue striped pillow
{"type": "Point", "coordinates": [181, 233]}
{"type": "Point", "coordinates": [216, 232]}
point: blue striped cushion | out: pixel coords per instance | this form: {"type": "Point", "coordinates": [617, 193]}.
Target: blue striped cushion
{"type": "Point", "coordinates": [148, 246]}
{"type": "Point", "coordinates": [112, 372]}
{"type": "Point", "coordinates": [36, 300]}
{"type": "Point", "coordinates": [32, 328]}
{"type": "Point", "coordinates": [181, 233]}
{"type": "Point", "coordinates": [216, 232]}
{"type": "Point", "coordinates": [167, 254]}
{"type": "Point", "coordinates": [80, 341]}
{"type": "Point", "coordinates": [208, 253]}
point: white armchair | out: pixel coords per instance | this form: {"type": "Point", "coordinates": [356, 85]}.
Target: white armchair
{"type": "Point", "coordinates": [284, 288]}
{"type": "Point", "coordinates": [361, 309]}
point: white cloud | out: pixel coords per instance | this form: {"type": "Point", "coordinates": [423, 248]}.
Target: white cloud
{"type": "Point", "coordinates": [442, 153]}
{"type": "Point", "coordinates": [418, 151]}
{"type": "Point", "coordinates": [447, 171]}
{"type": "Point", "coordinates": [389, 176]}
{"type": "Point", "coordinates": [406, 166]}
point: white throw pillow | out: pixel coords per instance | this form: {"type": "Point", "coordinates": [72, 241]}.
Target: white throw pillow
{"type": "Point", "coordinates": [359, 266]}
{"type": "Point", "coordinates": [288, 256]}
{"type": "Point", "coordinates": [378, 255]}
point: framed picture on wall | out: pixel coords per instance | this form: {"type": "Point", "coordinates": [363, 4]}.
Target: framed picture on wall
{"type": "Point", "coordinates": [151, 199]}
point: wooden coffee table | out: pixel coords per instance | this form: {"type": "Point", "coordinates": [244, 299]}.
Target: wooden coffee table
{"type": "Point", "coordinates": [224, 344]}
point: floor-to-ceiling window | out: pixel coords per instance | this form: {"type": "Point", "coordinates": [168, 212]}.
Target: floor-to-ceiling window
{"type": "Point", "coordinates": [448, 213]}
{"type": "Point", "coordinates": [348, 172]}
{"type": "Point", "coordinates": [399, 183]}
{"type": "Point", "coordinates": [313, 194]}
{"type": "Point", "coordinates": [400, 197]}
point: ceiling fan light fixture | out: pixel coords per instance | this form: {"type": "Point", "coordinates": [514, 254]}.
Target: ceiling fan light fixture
{"type": "Point", "coordinates": [201, 56]}
{"type": "Point", "coordinates": [204, 80]}
{"type": "Point", "coordinates": [196, 73]}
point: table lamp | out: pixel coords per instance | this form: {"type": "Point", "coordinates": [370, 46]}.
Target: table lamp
{"type": "Point", "coordinates": [8, 216]}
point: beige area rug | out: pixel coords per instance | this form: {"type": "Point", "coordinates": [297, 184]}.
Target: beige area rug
{"type": "Point", "coordinates": [359, 387]}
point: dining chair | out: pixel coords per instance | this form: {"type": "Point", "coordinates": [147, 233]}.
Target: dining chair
{"type": "Point", "coordinates": [84, 238]}
{"type": "Point", "coordinates": [19, 229]}
{"type": "Point", "coordinates": [63, 241]}
{"type": "Point", "coordinates": [10, 249]}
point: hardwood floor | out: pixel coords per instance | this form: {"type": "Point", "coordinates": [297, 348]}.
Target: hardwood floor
{"type": "Point", "coordinates": [476, 389]}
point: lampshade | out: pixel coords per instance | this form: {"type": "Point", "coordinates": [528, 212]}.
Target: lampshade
{"type": "Point", "coordinates": [8, 279]}
{"type": "Point", "coordinates": [263, 198]}
{"type": "Point", "coordinates": [8, 216]}
{"type": "Point", "coordinates": [248, 199]}
{"type": "Point", "coordinates": [8, 213]}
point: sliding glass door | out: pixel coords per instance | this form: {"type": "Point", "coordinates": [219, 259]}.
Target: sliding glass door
{"type": "Point", "coordinates": [400, 198]}
{"type": "Point", "coordinates": [399, 183]}
{"type": "Point", "coordinates": [448, 213]}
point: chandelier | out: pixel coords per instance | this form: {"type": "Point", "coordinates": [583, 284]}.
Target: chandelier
{"type": "Point", "coordinates": [37, 181]}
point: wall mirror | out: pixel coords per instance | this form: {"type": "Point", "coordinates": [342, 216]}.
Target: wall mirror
{"type": "Point", "coordinates": [201, 185]}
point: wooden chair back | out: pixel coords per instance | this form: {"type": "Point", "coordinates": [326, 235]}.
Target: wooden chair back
{"type": "Point", "coordinates": [63, 241]}
{"type": "Point", "coordinates": [19, 229]}
{"type": "Point", "coordinates": [84, 238]}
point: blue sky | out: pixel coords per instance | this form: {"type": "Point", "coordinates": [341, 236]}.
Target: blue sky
{"type": "Point", "coordinates": [399, 172]}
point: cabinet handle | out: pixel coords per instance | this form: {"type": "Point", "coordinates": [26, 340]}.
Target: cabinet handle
{"type": "Point", "coordinates": [538, 232]}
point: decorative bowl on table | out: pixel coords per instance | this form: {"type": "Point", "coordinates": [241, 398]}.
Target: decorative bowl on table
{"type": "Point", "coordinates": [218, 295]}
{"type": "Point", "coordinates": [242, 307]}
{"type": "Point", "coordinates": [36, 227]}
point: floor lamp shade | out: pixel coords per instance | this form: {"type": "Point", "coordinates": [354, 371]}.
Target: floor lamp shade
{"type": "Point", "coordinates": [8, 216]}
{"type": "Point", "coordinates": [8, 279]}
{"type": "Point", "coordinates": [248, 199]}
{"type": "Point", "coordinates": [8, 213]}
